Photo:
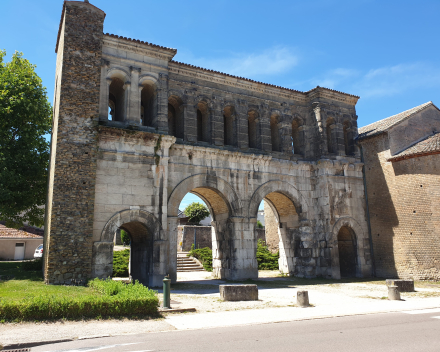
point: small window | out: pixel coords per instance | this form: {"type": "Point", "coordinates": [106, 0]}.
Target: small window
{"type": "Point", "coordinates": [19, 245]}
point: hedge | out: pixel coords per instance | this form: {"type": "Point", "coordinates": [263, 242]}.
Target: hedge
{"type": "Point", "coordinates": [117, 299]}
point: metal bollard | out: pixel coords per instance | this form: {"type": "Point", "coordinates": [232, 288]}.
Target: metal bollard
{"type": "Point", "coordinates": [166, 292]}
{"type": "Point", "coordinates": [302, 299]}
{"type": "Point", "coordinates": [393, 293]}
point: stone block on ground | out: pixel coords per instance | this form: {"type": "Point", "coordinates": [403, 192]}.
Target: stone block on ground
{"type": "Point", "coordinates": [239, 292]}
{"type": "Point", "coordinates": [402, 285]}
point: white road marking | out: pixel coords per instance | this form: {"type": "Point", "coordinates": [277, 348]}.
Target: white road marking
{"type": "Point", "coordinates": [437, 317]}
{"type": "Point", "coordinates": [422, 311]}
{"type": "Point", "coordinates": [87, 349]}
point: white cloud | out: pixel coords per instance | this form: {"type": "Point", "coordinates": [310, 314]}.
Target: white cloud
{"type": "Point", "coordinates": [271, 61]}
{"type": "Point", "coordinates": [384, 81]}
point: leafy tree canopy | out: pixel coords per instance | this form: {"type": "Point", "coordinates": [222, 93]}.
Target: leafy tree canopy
{"type": "Point", "coordinates": [196, 212]}
{"type": "Point", "coordinates": [25, 117]}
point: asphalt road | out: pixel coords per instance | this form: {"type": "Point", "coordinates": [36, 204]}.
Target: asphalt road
{"type": "Point", "coordinates": [377, 332]}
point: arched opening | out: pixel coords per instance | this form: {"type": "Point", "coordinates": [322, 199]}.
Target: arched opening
{"type": "Point", "coordinates": [116, 100]}
{"type": "Point", "coordinates": [141, 247]}
{"type": "Point", "coordinates": [348, 138]}
{"type": "Point", "coordinates": [175, 117]}
{"type": "Point", "coordinates": [229, 134]}
{"type": "Point", "coordinates": [148, 105]}
{"type": "Point", "coordinates": [347, 251]}
{"type": "Point", "coordinates": [274, 133]}
{"type": "Point", "coordinates": [144, 230]}
{"type": "Point", "coordinates": [331, 135]}
{"type": "Point", "coordinates": [203, 125]}
{"type": "Point", "coordinates": [253, 129]}
{"type": "Point", "coordinates": [297, 137]}
{"type": "Point", "coordinates": [222, 202]}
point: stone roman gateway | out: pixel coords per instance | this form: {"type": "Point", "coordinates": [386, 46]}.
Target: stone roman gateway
{"type": "Point", "coordinates": [174, 128]}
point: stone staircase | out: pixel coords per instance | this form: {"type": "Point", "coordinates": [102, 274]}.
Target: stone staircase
{"type": "Point", "coordinates": [185, 263]}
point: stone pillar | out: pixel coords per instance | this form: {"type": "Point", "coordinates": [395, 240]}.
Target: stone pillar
{"type": "Point", "coordinates": [173, 222]}
{"type": "Point", "coordinates": [266, 138]}
{"type": "Point", "coordinates": [104, 91]}
{"type": "Point", "coordinates": [127, 98]}
{"type": "Point", "coordinates": [190, 122]}
{"type": "Point", "coordinates": [217, 127]}
{"type": "Point", "coordinates": [242, 124]}
{"type": "Point", "coordinates": [285, 130]}
{"type": "Point", "coordinates": [244, 249]}
{"type": "Point", "coordinates": [161, 123]}
{"type": "Point", "coordinates": [134, 103]}
{"type": "Point", "coordinates": [71, 185]}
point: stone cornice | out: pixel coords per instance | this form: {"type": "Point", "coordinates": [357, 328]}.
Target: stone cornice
{"type": "Point", "coordinates": [138, 47]}
{"type": "Point", "coordinates": [325, 93]}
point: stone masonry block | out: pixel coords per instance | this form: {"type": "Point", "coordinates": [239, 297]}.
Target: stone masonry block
{"type": "Point", "coordinates": [239, 292]}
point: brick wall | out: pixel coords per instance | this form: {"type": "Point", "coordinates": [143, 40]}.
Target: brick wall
{"type": "Point", "coordinates": [404, 213]}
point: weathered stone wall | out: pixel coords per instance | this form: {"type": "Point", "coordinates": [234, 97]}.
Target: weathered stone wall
{"type": "Point", "coordinates": [69, 215]}
{"type": "Point", "coordinates": [404, 212]}
{"type": "Point", "coordinates": [271, 229]}
{"type": "Point", "coordinates": [260, 235]}
{"type": "Point", "coordinates": [176, 129]}
{"type": "Point", "coordinates": [186, 237]}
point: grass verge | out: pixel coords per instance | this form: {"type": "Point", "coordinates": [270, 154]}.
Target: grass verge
{"type": "Point", "coordinates": [25, 297]}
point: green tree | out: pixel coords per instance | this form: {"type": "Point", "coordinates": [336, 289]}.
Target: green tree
{"type": "Point", "coordinates": [25, 117]}
{"type": "Point", "coordinates": [259, 225]}
{"type": "Point", "coordinates": [196, 212]}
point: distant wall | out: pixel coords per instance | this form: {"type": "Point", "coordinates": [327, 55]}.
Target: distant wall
{"type": "Point", "coordinates": [185, 237]}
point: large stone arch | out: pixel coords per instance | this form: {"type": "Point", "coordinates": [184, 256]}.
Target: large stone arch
{"type": "Point", "coordinates": [291, 212]}
{"type": "Point", "coordinates": [224, 206]}
{"type": "Point", "coordinates": [284, 188]}
{"type": "Point", "coordinates": [361, 244]}
{"type": "Point", "coordinates": [146, 235]}
{"type": "Point", "coordinates": [199, 181]}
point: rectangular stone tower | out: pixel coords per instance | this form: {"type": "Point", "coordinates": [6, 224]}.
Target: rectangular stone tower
{"type": "Point", "coordinates": [70, 203]}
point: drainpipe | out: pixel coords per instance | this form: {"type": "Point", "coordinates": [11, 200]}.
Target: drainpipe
{"type": "Point", "coordinates": [370, 238]}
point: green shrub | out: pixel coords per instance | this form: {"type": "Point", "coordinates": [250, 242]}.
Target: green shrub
{"type": "Point", "coordinates": [266, 260]}
{"type": "Point", "coordinates": [116, 299]}
{"type": "Point", "coordinates": [204, 255]}
{"type": "Point", "coordinates": [120, 263]}
{"type": "Point", "coordinates": [32, 265]}
{"type": "Point", "coordinates": [259, 225]}
{"type": "Point", "coordinates": [125, 238]}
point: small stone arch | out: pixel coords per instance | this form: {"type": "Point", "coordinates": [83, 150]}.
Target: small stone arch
{"type": "Point", "coordinates": [359, 236]}
{"type": "Point", "coordinates": [145, 231]}
{"type": "Point", "coordinates": [118, 72]}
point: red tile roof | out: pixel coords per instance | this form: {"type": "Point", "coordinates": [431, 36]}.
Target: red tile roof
{"type": "Point", "coordinates": [384, 125]}
{"type": "Point", "coordinates": [429, 145]}
{"type": "Point", "coordinates": [6, 232]}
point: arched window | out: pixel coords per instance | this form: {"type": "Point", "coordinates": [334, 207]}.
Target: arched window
{"type": "Point", "coordinates": [331, 131]}
{"type": "Point", "coordinates": [148, 105]}
{"type": "Point", "coordinates": [252, 129]}
{"type": "Point", "coordinates": [175, 117]}
{"type": "Point", "coordinates": [275, 133]}
{"type": "Point", "coordinates": [348, 138]}
{"type": "Point", "coordinates": [228, 126]}
{"type": "Point", "coordinates": [116, 100]}
{"type": "Point", "coordinates": [297, 137]}
{"type": "Point", "coordinates": [203, 128]}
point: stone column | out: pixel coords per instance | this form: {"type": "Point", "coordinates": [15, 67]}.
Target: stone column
{"type": "Point", "coordinates": [266, 138]}
{"type": "Point", "coordinates": [217, 127]}
{"type": "Point", "coordinates": [285, 130]}
{"type": "Point", "coordinates": [126, 109]}
{"type": "Point", "coordinates": [161, 121]}
{"type": "Point", "coordinates": [190, 122]}
{"type": "Point", "coordinates": [133, 111]}
{"type": "Point", "coordinates": [244, 249]}
{"type": "Point", "coordinates": [104, 91]}
{"type": "Point", "coordinates": [242, 124]}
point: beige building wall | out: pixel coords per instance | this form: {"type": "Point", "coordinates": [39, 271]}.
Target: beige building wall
{"type": "Point", "coordinates": [271, 229]}
{"type": "Point", "coordinates": [7, 247]}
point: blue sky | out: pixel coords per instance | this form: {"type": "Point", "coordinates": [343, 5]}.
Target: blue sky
{"type": "Point", "coordinates": [387, 52]}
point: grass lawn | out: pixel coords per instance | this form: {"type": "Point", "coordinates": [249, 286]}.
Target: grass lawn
{"type": "Point", "coordinates": [30, 284]}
